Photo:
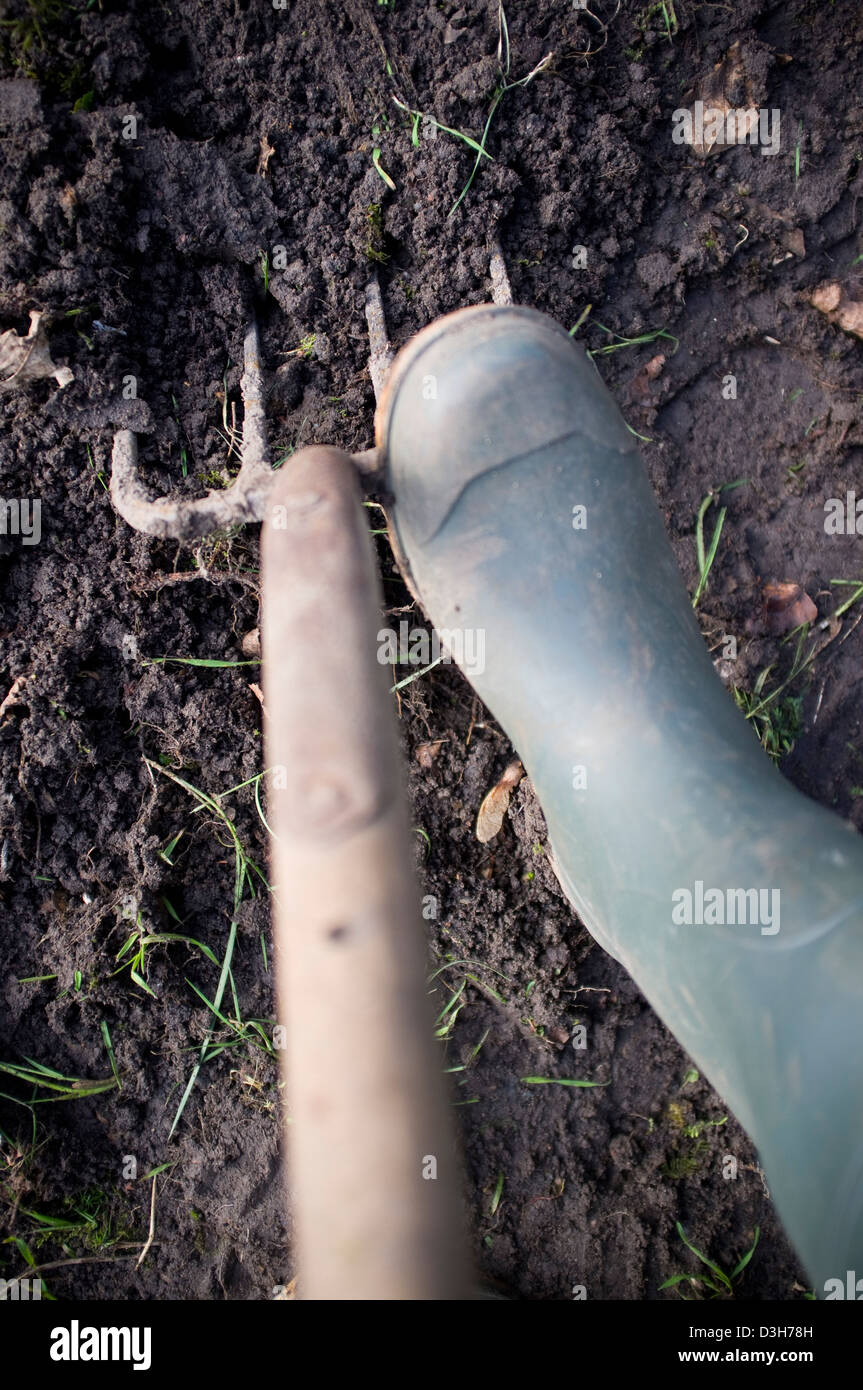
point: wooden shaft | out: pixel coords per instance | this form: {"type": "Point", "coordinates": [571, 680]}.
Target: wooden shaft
{"type": "Point", "coordinates": [373, 1166]}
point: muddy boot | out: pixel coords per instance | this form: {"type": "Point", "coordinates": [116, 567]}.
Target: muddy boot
{"type": "Point", "coordinates": [527, 528]}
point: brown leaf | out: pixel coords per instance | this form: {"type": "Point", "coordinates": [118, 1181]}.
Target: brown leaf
{"type": "Point", "coordinates": [727, 88]}
{"type": "Point", "coordinates": [794, 242]}
{"type": "Point", "coordinates": [12, 698]}
{"type": "Point", "coordinates": [648, 373]}
{"type": "Point", "coordinates": [69, 202]}
{"type": "Point", "coordinates": [831, 300]}
{"type": "Point", "coordinates": [266, 154]}
{"type": "Point", "coordinates": [654, 366]}
{"type": "Point", "coordinates": [496, 803]}
{"type": "Point", "coordinates": [850, 317]}
{"type": "Point", "coordinates": [426, 753]}
{"type": "Point", "coordinates": [452, 32]}
{"type": "Point", "coordinates": [27, 359]}
{"type": "Point", "coordinates": [826, 297]}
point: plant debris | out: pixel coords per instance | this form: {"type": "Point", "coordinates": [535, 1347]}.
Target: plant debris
{"type": "Point", "coordinates": [727, 100]}
{"type": "Point", "coordinates": [496, 804]}
{"type": "Point", "coordinates": [266, 154]}
{"type": "Point", "coordinates": [28, 359]}
{"type": "Point", "coordinates": [426, 753]}
{"type": "Point", "coordinates": [830, 299]}
{"type": "Point", "coordinates": [11, 700]}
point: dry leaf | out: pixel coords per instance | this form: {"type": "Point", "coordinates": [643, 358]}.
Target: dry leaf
{"type": "Point", "coordinates": [27, 359]}
{"type": "Point", "coordinates": [794, 242]}
{"type": "Point", "coordinates": [12, 698]}
{"type": "Point", "coordinates": [648, 373]}
{"type": "Point", "coordinates": [786, 606]}
{"type": "Point", "coordinates": [769, 214]}
{"type": "Point", "coordinates": [727, 88]}
{"type": "Point", "coordinates": [496, 804]}
{"type": "Point", "coordinates": [426, 753]}
{"type": "Point", "coordinates": [830, 299]}
{"type": "Point", "coordinates": [266, 154]}
{"type": "Point", "coordinates": [69, 202]}
{"type": "Point", "coordinates": [452, 32]}
{"type": "Point", "coordinates": [654, 366]}
{"type": "Point", "coordinates": [849, 316]}
{"type": "Point", "coordinates": [826, 297]}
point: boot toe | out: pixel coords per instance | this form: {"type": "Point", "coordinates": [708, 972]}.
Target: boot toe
{"type": "Point", "coordinates": [479, 389]}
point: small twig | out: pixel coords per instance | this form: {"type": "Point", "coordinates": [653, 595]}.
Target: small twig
{"type": "Point", "coordinates": [149, 583]}
{"type": "Point", "coordinates": [80, 1260]}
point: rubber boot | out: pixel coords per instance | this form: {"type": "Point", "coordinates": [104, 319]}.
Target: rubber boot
{"type": "Point", "coordinates": [527, 528]}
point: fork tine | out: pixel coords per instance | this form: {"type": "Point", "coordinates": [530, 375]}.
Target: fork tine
{"type": "Point", "coordinates": [245, 500]}
{"type": "Point", "coordinates": [381, 353]}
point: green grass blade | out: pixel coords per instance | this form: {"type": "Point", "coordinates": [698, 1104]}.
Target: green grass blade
{"type": "Point", "coordinates": [741, 1264]}
{"type": "Point", "coordinates": [559, 1081]}
{"type": "Point", "coordinates": [699, 1254]}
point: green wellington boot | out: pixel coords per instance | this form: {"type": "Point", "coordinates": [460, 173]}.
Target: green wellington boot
{"type": "Point", "coordinates": [529, 532]}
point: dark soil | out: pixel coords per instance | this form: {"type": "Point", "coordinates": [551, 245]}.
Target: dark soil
{"type": "Point", "coordinates": [158, 227]}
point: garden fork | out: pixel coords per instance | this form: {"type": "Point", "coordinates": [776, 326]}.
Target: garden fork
{"type": "Point", "coordinates": [373, 1162]}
